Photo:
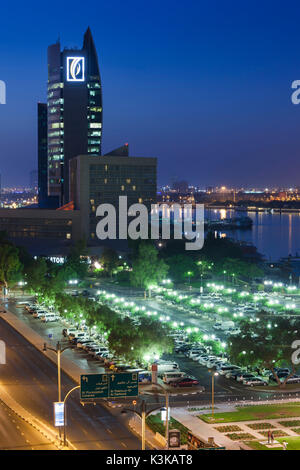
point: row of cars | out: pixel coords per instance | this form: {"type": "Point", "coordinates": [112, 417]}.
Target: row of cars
{"type": "Point", "coordinates": [234, 372]}
{"type": "Point", "coordinates": [220, 364]}
{"type": "Point", "coordinates": [41, 312]}
{"type": "Point", "coordinates": [86, 340]}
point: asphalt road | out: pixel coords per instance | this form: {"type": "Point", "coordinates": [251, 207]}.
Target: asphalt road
{"type": "Point", "coordinates": [16, 434]}
{"type": "Point", "coordinates": [31, 379]}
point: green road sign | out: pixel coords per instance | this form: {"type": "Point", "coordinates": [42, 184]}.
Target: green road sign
{"type": "Point", "coordinates": [120, 385]}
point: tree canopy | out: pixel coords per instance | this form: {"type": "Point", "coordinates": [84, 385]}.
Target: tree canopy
{"type": "Point", "coordinates": [147, 267]}
{"type": "Point", "coordinates": [265, 343]}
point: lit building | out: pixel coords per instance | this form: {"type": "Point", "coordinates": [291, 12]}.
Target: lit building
{"type": "Point", "coordinates": [42, 154]}
{"type": "Point", "coordinates": [74, 111]}
{"type": "Point", "coordinates": [95, 181]}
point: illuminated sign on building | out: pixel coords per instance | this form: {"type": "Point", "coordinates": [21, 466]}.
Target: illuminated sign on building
{"type": "Point", "coordinates": [75, 69]}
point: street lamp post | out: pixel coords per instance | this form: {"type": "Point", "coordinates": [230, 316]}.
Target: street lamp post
{"type": "Point", "coordinates": [167, 412]}
{"type": "Point", "coordinates": [167, 419]}
{"type": "Point", "coordinates": [189, 276]}
{"type": "Point", "coordinates": [213, 375]}
{"type": "Point", "coordinates": [65, 413]}
{"type": "Point", "coordinates": [143, 424]}
{"type": "Point", "coordinates": [201, 284]}
{"type": "Point", "coordinates": [58, 352]}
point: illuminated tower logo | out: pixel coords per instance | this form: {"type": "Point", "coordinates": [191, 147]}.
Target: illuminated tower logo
{"type": "Point", "coordinates": [75, 69]}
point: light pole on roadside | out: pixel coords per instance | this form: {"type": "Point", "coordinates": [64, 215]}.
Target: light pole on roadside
{"type": "Point", "coordinates": [167, 412]}
{"type": "Point", "coordinates": [213, 375]}
{"type": "Point", "coordinates": [201, 284]}
{"type": "Point", "coordinates": [143, 415]}
{"type": "Point", "coordinates": [58, 352]}
{"type": "Point", "coordinates": [189, 273]}
{"type": "Point", "coordinates": [65, 413]}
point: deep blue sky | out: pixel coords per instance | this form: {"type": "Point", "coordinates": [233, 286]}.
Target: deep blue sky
{"type": "Point", "coordinates": [204, 86]}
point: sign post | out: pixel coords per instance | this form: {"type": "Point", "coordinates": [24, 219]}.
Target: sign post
{"type": "Point", "coordinates": [119, 385]}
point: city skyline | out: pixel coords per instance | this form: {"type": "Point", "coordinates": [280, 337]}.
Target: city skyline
{"type": "Point", "coordinates": [233, 111]}
{"type": "Point", "coordinates": [149, 228]}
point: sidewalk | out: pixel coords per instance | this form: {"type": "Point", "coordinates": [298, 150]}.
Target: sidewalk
{"type": "Point", "coordinates": [204, 430]}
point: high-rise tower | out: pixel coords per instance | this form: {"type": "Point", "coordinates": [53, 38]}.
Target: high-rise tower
{"type": "Point", "coordinates": [74, 111]}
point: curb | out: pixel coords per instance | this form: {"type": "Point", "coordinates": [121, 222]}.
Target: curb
{"type": "Point", "coordinates": [28, 421]}
{"type": "Point", "coordinates": [171, 394]}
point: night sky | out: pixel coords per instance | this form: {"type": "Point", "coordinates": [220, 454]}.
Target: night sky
{"type": "Point", "coordinates": [204, 86]}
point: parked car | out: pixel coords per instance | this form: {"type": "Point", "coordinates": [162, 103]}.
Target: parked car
{"type": "Point", "coordinates": [185, 382]}
{"type": "Point", "coordinates": [233, 374]}
{"type": "Point", "coordinates": [295, 379]}
{"type": "Point", "coordinates": [49, 318]}
{"type": "Point", "coordinates": [169, 377]}
{"type": "Point", "coordinates": [228, 368]}
{"type": "Point", "coordinates": [163, 367]}
{"type": "Point", "coordinates": [255, 381]}
{"type": "Point", "coordinates": [244, 376]}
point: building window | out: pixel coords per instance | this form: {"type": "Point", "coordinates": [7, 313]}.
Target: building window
{"type": "Point", "coordinates": [68, 236]}
{"type": "Point", "coordinates": [134, 188]}
{"type": "Point", "coordinates": [122, 187]}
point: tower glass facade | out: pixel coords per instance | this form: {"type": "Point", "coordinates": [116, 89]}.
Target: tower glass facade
{"type": "Point", "coordinates": [74, 111]}
{"type": "Point", "coordinates": [42, 153]}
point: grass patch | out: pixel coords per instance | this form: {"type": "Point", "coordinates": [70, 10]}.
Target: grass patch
{"type": "Point", "coordinates": [258, 426]}
{"type": "Point", "coordinates": [296, 430]}
{"type": "Point", "coordinates": [255, 413]}
{"type": "Point", "coordinates": [293, 442]}
{"type": "Point", "coordinates": [233, 428]}
{"type": "Point", "coordinates": [156, 425]}
{"type": "Point", "coordinates": [240, 436]}
{"type": "Point", "coordinates": [290, 424]}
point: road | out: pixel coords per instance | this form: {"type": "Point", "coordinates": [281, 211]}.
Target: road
{"type": "Point", "coordinates": [16, 434]}
{"type": "Point", "coordinates": [31, 379]}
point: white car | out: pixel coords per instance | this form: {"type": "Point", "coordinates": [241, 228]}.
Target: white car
{"type": "Point", "coordinates": [228, 368]}
{"type": "Point", "coordinates": [255, 381]}
{"type": "Point", "coordinates": [50, 318]}
{"type": "Point", "coordinates": [295, 379]}
{"type": "Point", "coordinates": [172, 376]}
